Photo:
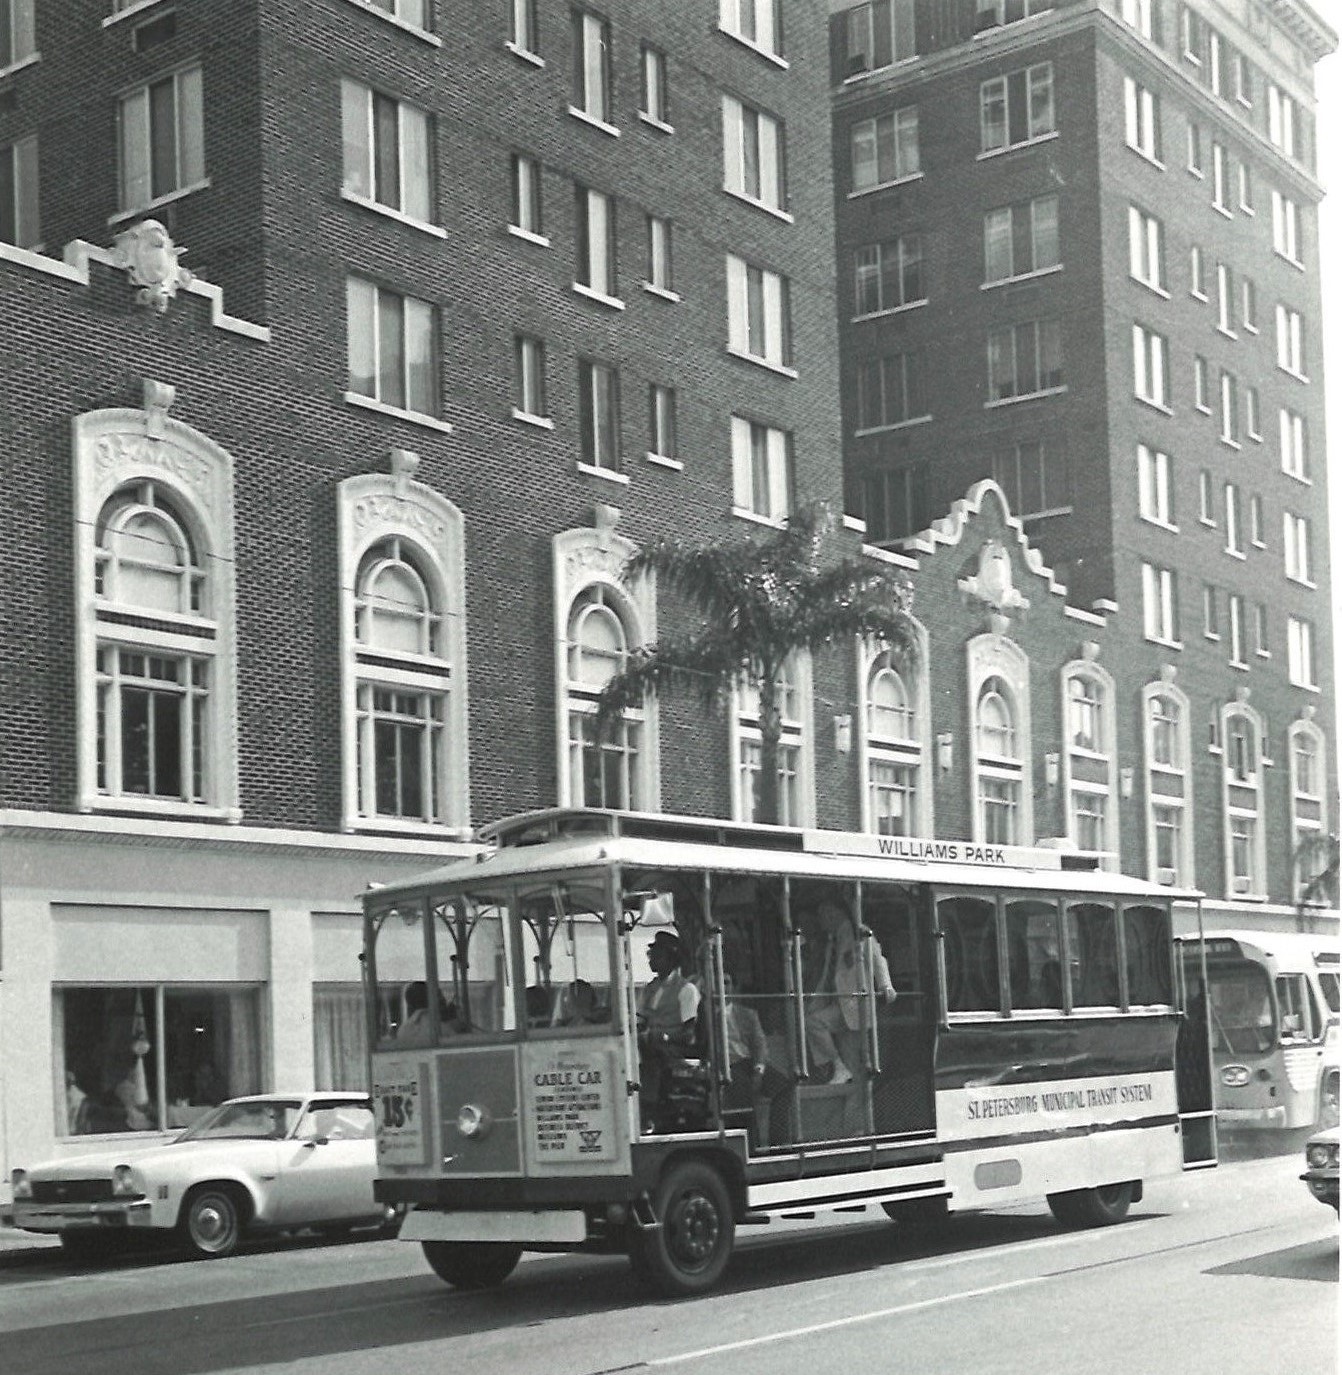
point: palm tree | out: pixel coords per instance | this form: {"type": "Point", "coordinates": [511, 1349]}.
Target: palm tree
{"type": "Point", "coordinates": [1315, 863]}
{"type": "Point", "coordinates": [760, 601]}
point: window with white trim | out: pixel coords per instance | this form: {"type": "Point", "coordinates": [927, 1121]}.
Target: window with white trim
{"type": "Point", "coordinates": [606, 769]}
{"type": "Point", "coordinates": [1293, 436]}
{"type": "Point", "coordinates": [1146, 243]}
{"type": "Point", "coordinates": [1300, 668]}
{"type": "Point", "coordinates": [890, 390]}
{"type": "Point", "coordinates": [591, 65]}
{"type": "Point", "coordinates": [596, 241]}
{"type": "Point", "coordinates": [796, 805]}
{"type": "Point", "coordinates": [1016, 108]}
{"type": "Point", "coordinates": [1309, 816]}
{"type": "Point", "coordinates": [162, 138]}
{"type": "Point", "coordinates": [415, 13]}
{"type": "Point", "coordinates": [889, 275]}
{"type": "Point", "coordinates": [1200, 394]}
{"type": "Point", "coordinates": [1211, 611]}
{"type": "Point", "coordinates": [995, 13]}
{"type": "Point", "coordinates": [1149, 377]}
{"type": "Point", "coordinates": [529, 376]}
{"type": "Point", "coordinates": [1141, 115]}
{"type": "Point", "coordinates": [1168, 777]}
{"type": "Point", "coordinates": [18, 32]}
{"type": "Point", "coordinates": [1245, 176]}
{"type": "Point", "coordinates": [526, 193]}
{"type": "Point", "coordinates": [999, 768]}
{"type": "Point", "coordinates": [1219, 178]}
{"type": "Point", "coordinates": [656, 96]}
{"type": "Point", "coordinates": [1159, 604]}
{"type": "Point", "coordinates": [20, 222]}
{"type": "Point", "coordinates": [1235, 626]}
{"type": "Point", "coordinates": [1256, 521]}
{"type": "Point", "coordinates": [1206, 501]}
{"type": "Point", "coordinates": [877, 34]}
{"type": "Point", "coordinates": [1241, 730]}
{"type": "Point", "coordinates": [662, 420]}
{"type": "Point", "coordinates": [1137, 14]}
{"type": "Point", "coordinates": [885, 149]}
{"type": "Point", "coordinates": [660, 274]}
{"type": "Point", "coordinates": [1253, 423]}
{"type": "Point", "coordinates": [599, 415]}
{"type": "Point", "coordinates": [1281, 119]}
{"type": "Point", "coordinates": [761, 469]}
{"type": "Point", "coordinates": [405, 709]}
{"type": "Point", "coordinates": [1035, 476]}
{"type": "Point", "coordinates": [525, 31]}
{"type": "Point", "coordinates": [1249, 304]}
{"type": "Point", "coordinates": [894, 751]}
{"type": "Point", "coordinates": [758, 313]}
{"type": "Point", "coordinates": [1286, 223]}
{"type": "Point", "coordinates": [1295, 539]}
{"type": "Point", "coordinates": [1197, 272]}
{"type": "Point", "coordinates": [1225, 295]}
{"type": "Point", "coordinates": [1020, 239]}
{"type": "Point", "coordinates": [895, 502]}
{"type": "Point", "coordinates": [753, 154]}
{"type": "Point", "coordinates": [393, 347]}
{"type": "Point", "coordinates": [1230, 431]}
{"type": "Point", "coordinates": [1024, 360]}
{"type": "Point", "coordinates": [1193, 34]}
{"type": "Point", "coordinates": [388, 151]}
{"type": "Point", "coordinates": [1195, 162]}
{"type": "Point", "coordinates": [1290, 341]}
{"type": "Point", "coordinates": [757, 22]}
{"type": "Point", "coordinates": [1155, 485]}
{"type": "Point", "coordinates": [1261, 644]}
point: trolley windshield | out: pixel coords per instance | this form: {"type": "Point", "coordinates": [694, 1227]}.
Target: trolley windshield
{"type": "Point", "coordinates": [528, 959]}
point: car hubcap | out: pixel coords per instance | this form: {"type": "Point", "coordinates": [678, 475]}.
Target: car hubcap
{"type": "Point", "coordinates": [694, 1230]}
{"type": "Point", "coordinates": [212, 1224]}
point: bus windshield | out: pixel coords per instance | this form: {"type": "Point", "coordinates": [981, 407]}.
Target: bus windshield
{"type": "Point", "coordinates": [566, 956]}
{"type": "Point", "coordinates": [1241, 1008]}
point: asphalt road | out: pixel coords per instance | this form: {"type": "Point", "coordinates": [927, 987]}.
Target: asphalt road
{"type": "Point", "coordinates": [1228, 1270]}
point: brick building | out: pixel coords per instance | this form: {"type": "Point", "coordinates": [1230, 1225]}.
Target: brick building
{"type": "Point", "coordinates": [314, 561]}
{"type": "Point", "coordinates": [1078, 253]}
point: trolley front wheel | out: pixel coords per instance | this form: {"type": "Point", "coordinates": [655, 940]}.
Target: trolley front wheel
{"type": "Point", "coordinates": [688, 1250]}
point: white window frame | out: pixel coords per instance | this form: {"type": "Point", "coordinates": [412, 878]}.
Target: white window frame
{"type": "Point", "coordinates": [363, 330]}
{"type": "Point", "coordinates": [663, 443]}
{"type": "Point", "coordinates": [991, 657]}
{"type": "Point", "coordinates": [1230, 418]}
{"type": "Point", "coordinates": [655, 106]}
{"type": "Point", "coordinates": [529, 376]}
{"type": "Point", "coordinates": [1281, 120]}
{"type": "Point", "coordinates": [1036, 334]}
{"type": "Point", "coordinates": [138, 137]}
{"type": "Point", "coordinates": [595, 244]}
{"type": "Point", "coordinates": [117, 450]}
{"type": "Point", "coordinates": [1160, 605]}
{"type": "Point", "coordinates": [528, 208]}
{"type": "Point", "coordinates": [1038, 76]}
{"type": "Point", "coordinates": [1150, 375]}
{"type": "Point", "coordinates": [756, 23]}
{"type": "Point", "coordinates": [759, 326]}
{"type": "Point", "coordinates": [392, 511]}
{"type": "Point", "coordinates": [18, 25]}
{"type": "Point", "coordinates": [1137, 14]}
{"type": "Point", "coordinates": [1291, 341]}
{"type": "Point", "coordinates": [761, 471]}
{"type": "Point", "coordinates": [886, 265]}
{"type": "Point", "coordinates": [1141, 114]}
{"type": "Point", "coordinates": [592, 68]}
{"type": "Point", "coordinates": [524, 28]}
{"type": "Point", "coordinates": [862, 49]}
{"type": "Point", "coordinates": [1000, 229]}
{"type": "Point", "coordinates": [865, 143]}
{"type": "Point", "coordinates": [601, 446]}
{"type": "Point", "coordinates": [754, 162]}
{"type": "Point", "coordinates": [1155, 486]}
{"type": "Point", "coordinates": [796, 747]}
{"type": "Point", "coordinates": [1234, 539]}
{"type": "Point", "coordinates": [23, 214]}
{"type": "Point", "coordinates": [1286, 227]}
{"type": "Point", "coordinates": [1090, 770]}
{"type": "Point", "coordinates": [1293, 440]}
{"type": "Point", "coordinates": [1146, 249]}
{"type": "Point", "coordinates": [1309, 809]}
{"type": "Point", "coordinates": [1301, 667]}
{"type": "Point", "coordinates": [1295, 539]}
{"type": "Point", "coordinates": [1168, 782]}
{"type": "Point", "coordinates": [1242, 803]}
{"type": "Point", "coordinates": [907, 748]}
{"type": "Point", "coordinates": [413, 197]}
{"type": "Point", "coordinates": [661, 259]}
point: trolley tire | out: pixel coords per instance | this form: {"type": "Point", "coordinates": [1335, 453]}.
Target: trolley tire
{"type": "Point", "coordinates": [687, 1252]}
{"type": "Point", "coordinates": [1098, 1207]}
{"type": "Point", "coordinates": [211, 1222]}
{"type": "Point", "coordinates": [917, 1215]}
{"type": "Point", "coordinates": [1328, 1104]}
{"type": "Point", "coordinates": [472, 1264]}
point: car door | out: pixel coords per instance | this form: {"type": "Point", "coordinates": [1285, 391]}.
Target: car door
{"type": "Point", "coordinates": [327, 1166]}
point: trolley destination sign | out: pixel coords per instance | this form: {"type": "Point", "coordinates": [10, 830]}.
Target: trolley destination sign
{"type": "Point", "coordinates": [931, 851]}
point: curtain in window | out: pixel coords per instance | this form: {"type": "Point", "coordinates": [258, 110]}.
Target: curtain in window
{"type": "Point", "coordinates": [339, 1042]}
{"type": "Point", "coordinates": [244, 1049]}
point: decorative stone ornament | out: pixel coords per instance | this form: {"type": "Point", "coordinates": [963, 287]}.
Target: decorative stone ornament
{"type": "Point", "coordinates": [993, 582]}
{"type": "Point", "coordinates": [151, 260]}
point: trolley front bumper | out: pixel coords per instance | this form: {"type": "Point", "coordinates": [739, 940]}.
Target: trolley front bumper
{"type": "Point", "coordinates": [545, 1227]}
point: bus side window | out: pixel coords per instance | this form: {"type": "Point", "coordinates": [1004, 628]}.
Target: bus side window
{"type": "Point", "coordinates": [969, 927]}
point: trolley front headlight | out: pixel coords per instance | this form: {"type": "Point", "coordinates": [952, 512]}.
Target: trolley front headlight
{"type": "Point", "coordinates": [473, 1121]}
{"type": "Point", "coordinates": [1235, 1076]}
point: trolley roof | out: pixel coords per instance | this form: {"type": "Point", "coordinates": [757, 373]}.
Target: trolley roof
{"type": "Point", "coordinates": [573, 839]}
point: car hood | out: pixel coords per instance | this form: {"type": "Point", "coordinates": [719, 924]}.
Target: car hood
{"type": "Point", "coordinates": [169, 1154]}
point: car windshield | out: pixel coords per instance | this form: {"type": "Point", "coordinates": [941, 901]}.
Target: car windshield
{"type": "Point", "coordinates": [269, 1121]}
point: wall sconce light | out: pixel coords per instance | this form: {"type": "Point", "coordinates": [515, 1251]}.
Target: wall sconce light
{"type": "Point", "coordinates": [1051, 765]}
{"type": "Point", "coordinates": [946, 751]}
{"type": "Point", "coordinates": [843, 734]}
{"type": "Point", "coordinates": [1125, 782]}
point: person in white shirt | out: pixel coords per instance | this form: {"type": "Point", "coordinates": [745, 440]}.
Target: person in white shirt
{"type": "Point", "coordinates": [668, 1007]}
{"type": "Point", "coordinates": [834, 1007]}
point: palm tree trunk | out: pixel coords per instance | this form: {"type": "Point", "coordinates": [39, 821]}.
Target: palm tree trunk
{"type": "Point", "coordinates": [771, 730]}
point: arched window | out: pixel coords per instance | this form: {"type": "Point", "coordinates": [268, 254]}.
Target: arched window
{"type": "Point", "coordinates": [1084, 722]}
{"type": "Point", "coordinates": [1000, 777]}
{"type": "Point", "coordinates": [1090, 766]}
{"type": "Point", "coordinates": [796, 803]}
{"type": "Point", "coordinates": [153, 670]}
{"type": "Point", "coordinates": [1169, 840]}
{"type": "Point", "coordinates": [403, 698]}
{"type": "Point", "coordinates": [996, 721]}
{"type": "Point", "coordinates": [605, 769]}
{"type": "Point", "coordinates": [1245, 846]}
{"type": "Point", "coordinates": [893, 751]}
{"type": "Point", "coordinates": [1309, 815]}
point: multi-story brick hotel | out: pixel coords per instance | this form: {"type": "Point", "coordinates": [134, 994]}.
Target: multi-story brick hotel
{"type": "Point", "coordinates": [351, 345]}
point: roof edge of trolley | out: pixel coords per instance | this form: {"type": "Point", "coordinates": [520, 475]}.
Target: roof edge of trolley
{"type": "Point", "coordinates": [579, 836]}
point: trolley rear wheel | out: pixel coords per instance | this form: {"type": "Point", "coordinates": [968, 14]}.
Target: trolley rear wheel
{"type": "Point", "coordinates": [1097, 1207]}
{"type": "Point", "coordinates": [689, 1249]}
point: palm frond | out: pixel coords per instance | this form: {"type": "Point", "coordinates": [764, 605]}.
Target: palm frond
{"type": "Point", "coordinates": [701, 663]}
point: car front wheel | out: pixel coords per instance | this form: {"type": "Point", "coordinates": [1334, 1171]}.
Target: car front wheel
{"type": "Point", "coordinates": [211, 1223]}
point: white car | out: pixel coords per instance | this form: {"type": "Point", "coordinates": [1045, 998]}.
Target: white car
{"type": "Point", "coordinates": [274, 1161]}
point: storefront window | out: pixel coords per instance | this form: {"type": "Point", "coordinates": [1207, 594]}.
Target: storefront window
{"type": "Point", "coordinates": [151, 1058]}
